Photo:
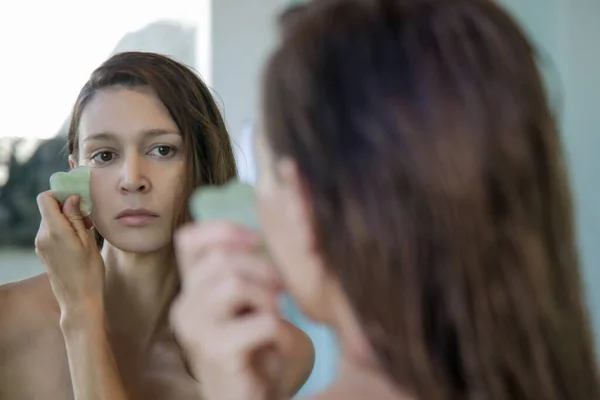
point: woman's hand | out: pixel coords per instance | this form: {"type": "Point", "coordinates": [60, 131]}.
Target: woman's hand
{"type": "Point", "coordinates": [226, 317]}
{"type": "Point", "coordinates": [70, 255]}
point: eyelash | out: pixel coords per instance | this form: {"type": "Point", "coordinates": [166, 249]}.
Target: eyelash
{"type": "Point", "coordinates": [172, 151]}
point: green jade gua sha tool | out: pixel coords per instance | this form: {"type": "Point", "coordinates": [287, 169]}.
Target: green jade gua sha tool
{"type": "Point", "coordinates": [233, 202]}
{"type": "Point", "coordinates": [74, 182]}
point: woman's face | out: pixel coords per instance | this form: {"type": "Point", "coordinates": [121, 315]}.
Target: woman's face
{"type": "Point", "coordinates": [285, 217]}
{"type": "Point", "coordinates": [136, 155]}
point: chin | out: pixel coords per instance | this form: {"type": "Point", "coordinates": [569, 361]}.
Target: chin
{"type": "Point", "coordinates": [138, 241]}
{"type": "Point", "coordinates": [138, 248]}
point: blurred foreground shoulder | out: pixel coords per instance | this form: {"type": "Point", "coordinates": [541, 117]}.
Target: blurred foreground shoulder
{"type": "Point", "coordinates": [301, 361]}
{"type": "Point", "coordinates": [358, 383]}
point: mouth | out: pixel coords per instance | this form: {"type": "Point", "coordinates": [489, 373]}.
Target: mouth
{"type": "Point", "coordinates": [136, 217]}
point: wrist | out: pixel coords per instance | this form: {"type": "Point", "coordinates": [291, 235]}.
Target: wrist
{"type": "Point", "coordinates": [87, 313]}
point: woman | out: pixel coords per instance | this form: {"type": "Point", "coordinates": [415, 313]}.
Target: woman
{"type": "Point", "coordinates": [413, 195]}
{"type": "Point", "coordinates": [95, 326]}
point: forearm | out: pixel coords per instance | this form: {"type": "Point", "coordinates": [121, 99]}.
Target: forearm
{"type": "Point", "coordinates": [94, 372]}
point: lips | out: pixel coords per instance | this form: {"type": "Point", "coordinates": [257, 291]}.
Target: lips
{"type": "Point", "coordinates": [136, 217]}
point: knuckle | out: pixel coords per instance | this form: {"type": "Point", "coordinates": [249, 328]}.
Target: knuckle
{"type": "Point", "coordinates": [43, 239]}
{"type": "Point", "coordinates": [40, 242]}
{"type": "Point", "coordinates": [233, 285]}
{"type": "Point", "coordinates": [193, 282]}
{"type": "Point", "coordinates": [74, 217]}
{"type": "Point", "coordinates": [217, 258]}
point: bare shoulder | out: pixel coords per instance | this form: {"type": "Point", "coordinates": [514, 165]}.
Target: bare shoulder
{"type": "Point", "coordinates": [351, 392]}
{"type": "Point", "coordinates": [301, 359]}
{"type": "Point", "coordinates": [28, 311]}
{"type": "Point", "coordinates": [27, 300]}
{"type": "Point", "coordinates": [32, 351]}
{"type": "Point", "coordinates": [358, 384]}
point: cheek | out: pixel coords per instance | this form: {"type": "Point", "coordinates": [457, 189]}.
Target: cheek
{"type": "Point", "coordinates": [302, 272]}
{"type": "Point", "coordinates": [268, 214]}
{"type": "Point", "coordinates": [169, 185]}
{"type": "Point", "coordinates": [270, 210]}
{"type": "Point", "coordinates": [284, 249]}
{"type": "Point", "coordinates": [100, 183]}
{"type": "Point", "coordinates": [273, 224]}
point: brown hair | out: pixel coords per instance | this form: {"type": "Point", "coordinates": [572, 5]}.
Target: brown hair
{"type": "Point", "coordinates": [210, 158]}
{"type": "Point", "coordinates": [288, 17]}
{"type": "Point", "coordinates": [440, 198]}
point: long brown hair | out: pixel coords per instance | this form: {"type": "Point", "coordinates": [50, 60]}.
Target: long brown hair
{"type": "Point", "coordinates": [441, 202]}
{"type": "Point", "coordinates": [210, 158]}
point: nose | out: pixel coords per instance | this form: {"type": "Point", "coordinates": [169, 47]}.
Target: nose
{"type": "Point", "coordinates": [133, 178]}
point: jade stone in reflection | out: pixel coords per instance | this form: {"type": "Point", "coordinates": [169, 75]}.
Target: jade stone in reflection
{"type": "Point", "coordinates": [74, 182]}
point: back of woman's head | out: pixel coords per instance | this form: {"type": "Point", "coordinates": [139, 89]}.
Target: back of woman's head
{"type": "Point", "coordinates": [210, 157]}
{"type": "Point", "coordinates": [436, 175]}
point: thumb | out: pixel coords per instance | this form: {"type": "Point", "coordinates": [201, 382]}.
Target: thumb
{"type": "Point", "coordinates": [73, 213]}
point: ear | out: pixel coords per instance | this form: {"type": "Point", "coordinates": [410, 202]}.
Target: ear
{"type": "Point", "coordinates": [72, 161]}
{"type": "Point", "coordinates": [298, 199]}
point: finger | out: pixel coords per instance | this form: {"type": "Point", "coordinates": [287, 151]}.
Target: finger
{"type": "Point", "coordinates": [54, 221]}
{"type": "Point", "coordinates": [254, 332]}
{"type": "Point", "coordinates": [193, 240]}
{"type": "Point", "coordinates": [73, 213]}
{"type": "Point", "coordinates": [236, 297]}
{"type": "Point", "coordinates": [228, 300]}
{"type": "Point", "coordinates": [222, 264]}
{"type": "Point", "coordinates": [87, 220]}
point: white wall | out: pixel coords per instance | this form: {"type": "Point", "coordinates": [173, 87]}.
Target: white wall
{"type": "Point", "coordinates": [567, 31]}
{"type": "Point", "coordinates": [243, 33]}
{"type": "Point", "coordinates": [579, 52]}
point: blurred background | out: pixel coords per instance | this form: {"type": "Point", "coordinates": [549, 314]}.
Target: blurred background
{"type": "Point", "coordinates": [50, 48]}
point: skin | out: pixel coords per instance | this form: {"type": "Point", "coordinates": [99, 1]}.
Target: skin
{"type": "Point", "coordinates": [96, 326]}
{"type": "Point", "coordinates": [291, 242]}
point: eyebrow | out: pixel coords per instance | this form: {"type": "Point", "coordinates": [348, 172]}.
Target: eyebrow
{"type": "Point", "coordinates": [148, 134]}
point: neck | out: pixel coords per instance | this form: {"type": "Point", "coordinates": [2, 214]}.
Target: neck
{"type": "Point", "coordinates": [354, 346]}
{"type": "Point", "coordinates": [139, 290]}
{"type": "Point", "coordinates": [358, 364]}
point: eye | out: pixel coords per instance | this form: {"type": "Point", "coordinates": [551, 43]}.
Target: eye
{"type": "Point", "coordinates": [162, 151]}
{"type": "Point", "coordinates": [103, 157]}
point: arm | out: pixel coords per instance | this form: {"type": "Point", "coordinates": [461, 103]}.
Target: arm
{"type": "Point", "coordinates": [94, 372]}
{"type": "Point", "coordinates": [76, 273]}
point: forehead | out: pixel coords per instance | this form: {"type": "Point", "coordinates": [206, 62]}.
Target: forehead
{"type": "Point", "coordinates": [123, 111]}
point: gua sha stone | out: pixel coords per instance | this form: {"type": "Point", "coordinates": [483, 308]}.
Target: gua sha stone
{"type": "Point", "coordinates": [233, 202]}
{"type": "Point", "coordinates": [74, 182]}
